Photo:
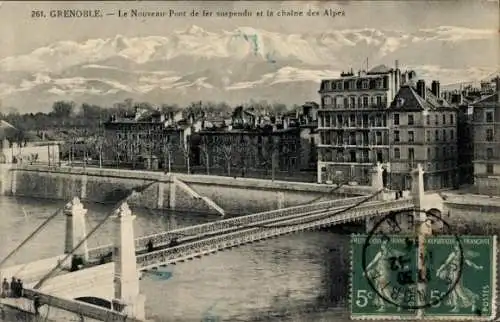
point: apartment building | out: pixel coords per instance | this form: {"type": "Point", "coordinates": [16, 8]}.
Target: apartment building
{"type": "Point", "coordinates": [147, 139]}
{"type": "Point", "coordinates": [486, 140]}
{"type": "Point", "coordinates": [423, 129]}
{"type": "Point", "coordinates": [352, 123]}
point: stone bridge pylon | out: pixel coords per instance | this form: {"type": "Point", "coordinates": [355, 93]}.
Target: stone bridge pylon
{"type": "Point", "coordinates": [121, 276]}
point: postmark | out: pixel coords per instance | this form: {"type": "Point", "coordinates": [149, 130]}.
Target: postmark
{"type": "Point", "coordinates": [474, 296]}
{"type": "Point", "coordinates": [392, 270]}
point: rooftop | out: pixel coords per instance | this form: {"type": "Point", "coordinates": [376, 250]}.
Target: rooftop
{"type": "Point", "coordinates": [407, 98]}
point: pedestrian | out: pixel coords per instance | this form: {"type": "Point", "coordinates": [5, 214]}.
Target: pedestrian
{"type": "Point", "coordinates": [13, 287]}
{"type": "Point", "coordinates": [19, 287]}
{"type": "Point", "coordinates": [5, 288]}
{"type": "Point", "coordinates": [150, 246]}
{"type": "Point", "coordinates": [36, 304]}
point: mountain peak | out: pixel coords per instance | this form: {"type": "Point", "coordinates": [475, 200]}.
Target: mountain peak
{"type": "Point", "coordinates": [194, 29]}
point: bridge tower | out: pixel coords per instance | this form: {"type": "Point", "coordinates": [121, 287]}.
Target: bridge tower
{"type": "Point", "coordinates": [377, 180]}
{"type": "Point", "coordinates": [127, 299]}
{"type": "Point", "coordinates": [76, 230]}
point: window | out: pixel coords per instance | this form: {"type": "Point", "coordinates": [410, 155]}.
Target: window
{"type": "Point", "coordinates": [411, 154]}
{"type": "Point", "coordinates": [489, 168]}
{"type": "Point", "coordinates": [379, 100]}
{"type": "Point", "coordinates": [365, 101]}
{"type": "Point", "coordinates": [411, 136]}
{"type": "Point", "coordinates": [428, 153]}
{"type": "Point", "coordinates": [444, 135]}
{"type": "Point", "coordinates": [428, 119]}
{"type": "Point", "coordinates": [489, 153]}
{"type": "Point", "coordinates": [436, 120]}
{"type": "Point", "coordinates": [444, 118]}
{"type": "Point", "coordinates": [353, 156]}
{"type": "Point", "coordinates": [489, 135]}
{"type": "Point", "coordinates": [346, 102]}
{"type": "Point", "coordinates": [411, 120]}
{"type": "Point", "coordinates": [365, 84]}
{"type": "Point", "coordinates": [428, 134]}
{"type": "Point", "coordinates": [452, 135]}
{"type": "Point", "coordinates": [352, 120]}
{"type": "Point", "coordinates": [379, 138]}
{"type": "Point", "coordinates": [436, 153]}
{"type": "Point", "coordinates": [352, 102]}
{"type": "Point", "coordinates": [339, 85]}
{"type": "Point", "coordinates": [489, 116]}
{"type": "Point", "coordinates": [396, 119]}
{"type": "Point", "coordinates": [396, 136]}
{"type": "Point", "coordinates": [451, 119]}
{"type": "Point", "coordinates": [397, 153]}
{"type": "Point", "coordinates": [436, 134]}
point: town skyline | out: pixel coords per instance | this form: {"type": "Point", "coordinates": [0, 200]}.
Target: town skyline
{"type": "Point", "coordinates": [238, 59]}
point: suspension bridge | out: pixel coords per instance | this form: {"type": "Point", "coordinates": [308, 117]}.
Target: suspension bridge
{"type": "Point", "coordinates": [110, 274]}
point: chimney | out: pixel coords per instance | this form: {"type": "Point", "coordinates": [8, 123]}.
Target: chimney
{"type": "Point", "coordinates": [421, 88]}
{"type": "Point", "coordinates": [435, 88]}
{"type": "Point", "coordinates": [397, 78]}
{"type": "Point", "coordinates": [498, 88]}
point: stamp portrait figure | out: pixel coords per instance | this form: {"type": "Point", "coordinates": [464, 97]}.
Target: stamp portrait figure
{"type": "Point", "coordinates": [379, 272]}
{"type": "Point", "coordinates": [460, 297]}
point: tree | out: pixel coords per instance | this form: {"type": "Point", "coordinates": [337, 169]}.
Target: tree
{"type": "Point", "coordinates": [63, 109]}
{"type": "Point", "coordinates": [268, 154]}
{"type": "Point", "coordinates": [167, 152]}
{"type": "Point", "coordinates": [205, 146]}
{"type": "Point", "coordinates": [227, 153]}
{"type": "Point", "coordinates": [186, 152]}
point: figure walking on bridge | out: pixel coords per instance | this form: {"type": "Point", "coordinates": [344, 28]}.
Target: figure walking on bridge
{"type": "Point", "coordinates": [150, 246]}
{"type": "Point", "coordinates": [5, 288]}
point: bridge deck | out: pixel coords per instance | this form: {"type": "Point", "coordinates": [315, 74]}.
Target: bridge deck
{"type": "Point", "coordinates": [211, 244]}
{"type": "Point", "coordinates": [188, 233]}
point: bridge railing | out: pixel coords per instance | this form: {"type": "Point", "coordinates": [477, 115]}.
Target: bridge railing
{"type": "Point", "coordinates": [163, 238]}
{"type": "Point", "coordinates": [77, 307]}
{"type": "Point", "coordinates": [211, 244]}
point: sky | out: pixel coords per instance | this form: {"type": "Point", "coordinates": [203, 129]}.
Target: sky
{"type": "Point", "coordinates": [19, 33]}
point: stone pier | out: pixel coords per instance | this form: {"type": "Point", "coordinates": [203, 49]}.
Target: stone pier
{"type": "Point", "coordinates": [76, 229]}
{"type": "Point", "coordinates": [127, 297]}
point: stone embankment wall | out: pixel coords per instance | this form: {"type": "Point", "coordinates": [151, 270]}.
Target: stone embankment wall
{"type": "Point", "coordinates": [234, 195]}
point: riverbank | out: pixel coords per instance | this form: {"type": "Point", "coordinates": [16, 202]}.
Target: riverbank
{"type": "Point", "coordinates": [201, 193]}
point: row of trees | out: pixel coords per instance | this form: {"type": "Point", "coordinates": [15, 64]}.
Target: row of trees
{"type": "Point", "coordinates": [67, 114]}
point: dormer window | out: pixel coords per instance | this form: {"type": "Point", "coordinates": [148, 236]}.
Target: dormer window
{"type": "Point", "coordinates": [352, 85]}
{"type": "Point", "coordinates": [400, 102]}
{"type": "Point", "coordinates": [380, 83]}
{"type": "Point", "coordinates": [365, 84]}
{"type": "Point", "coordinates": [339, 85]}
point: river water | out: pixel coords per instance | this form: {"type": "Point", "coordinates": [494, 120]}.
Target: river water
{"type": "Point", "coordinates": [298, 277]}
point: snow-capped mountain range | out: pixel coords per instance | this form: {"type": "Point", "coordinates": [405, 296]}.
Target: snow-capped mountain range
{"type": "Point", "coordinates": [233, 66]}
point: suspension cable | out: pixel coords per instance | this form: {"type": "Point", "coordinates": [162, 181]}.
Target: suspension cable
{"type": "Point", "coordinates": [35, 232]}
{"type": "Point", "coordinates": [359, 203]}
{"type": "Point", "coordinates": [132, 193]}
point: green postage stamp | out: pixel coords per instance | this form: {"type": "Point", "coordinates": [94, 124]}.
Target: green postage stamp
{"type": "Point", "coordinates": [458, 281]}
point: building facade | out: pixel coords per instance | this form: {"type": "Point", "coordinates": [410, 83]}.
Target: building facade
{"type": "Point", "coordinates": [237, 151]}
{"type": "Point", "coordinates": [146, 140]}
{"type": "Point", "coordinates": [486, 138]}
{"type": "Point", "coordinates": [352, 123]}
{"type": "Point", "coordinates": [423, 129]}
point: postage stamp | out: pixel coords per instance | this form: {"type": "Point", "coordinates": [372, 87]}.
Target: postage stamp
{"type": "Point", "coordinates": [383, 276]}
{"type": "Point", "coordinates": [474, 296]}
